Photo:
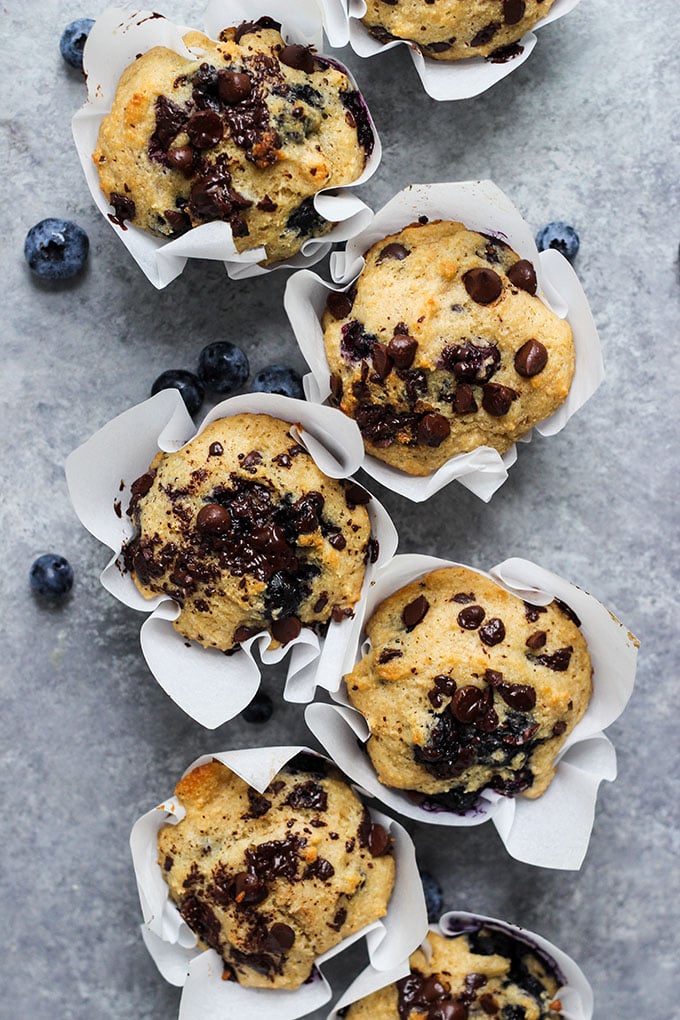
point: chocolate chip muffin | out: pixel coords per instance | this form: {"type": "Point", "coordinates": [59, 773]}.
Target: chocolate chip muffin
{"type": "Point", "coordinates": [247, 132]}
{"type": "Point", "coordinates": [442, 346]}
{"type": "Point", "coordinates": [245, 532]}
{"type": "Point", "coordinates": [271, 881]}
{"type": "Point", "coordinates": [456, 29]}
{"type": "Point", "coordinates": [466, 688]}
{"type": "Point", "coordinates": [484, 973]}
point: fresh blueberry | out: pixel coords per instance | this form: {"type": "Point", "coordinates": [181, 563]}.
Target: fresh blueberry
{"type": "Point", "coordinates": [56, 249]}
{"type": "Point", "coordinates": [259, 710]}
{"type": "Point", "coordinates": [73, 40]}
{"type": "Point", "coordinates": [561, 236]}
{"type": "Point", "coordinates": [51, 575]}
{"type": "Point", "coordinates": [189, 385]}
{"type": "Point", "coordinates": [222, 367]}
{"type": "Point", "coordinates": [278, 379]}
{"type": "Point", "coordinates": [434, 897]}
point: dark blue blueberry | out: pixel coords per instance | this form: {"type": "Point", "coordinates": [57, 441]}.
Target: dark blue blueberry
{"type": "Point", "coordinates": [189, 385]}
{"type": "Point", "coordinates": [56, 249]}
{"type": "Point", "coordinates": [259, 710]}
{"type": "Point", "coordinates": [278, 379]}
{"type": "Point", "coordinates": [73, 40]}
{"type": "Point", "coordinates": [51, 575]}
{"type": "Point", "coordinates": [223, 367]}
{"type": "Point", "coordinates": [558, 235]}
{"type": "Point", "coordinates": [434, 897]}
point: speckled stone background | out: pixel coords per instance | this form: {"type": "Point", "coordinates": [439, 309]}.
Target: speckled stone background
{"type": "Point", "coordinates": [587, 130]}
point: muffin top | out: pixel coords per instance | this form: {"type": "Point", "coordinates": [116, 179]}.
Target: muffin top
{"type": "Point", "coordinates": [273, 880]}
{"type": "Point", "coordinates": [442, 346]}
{"type": "Point", "coordinates": [247, 132]}
{"type": "Point", "coordinates": [246, 533]}
{"type": "Point", "coordinates": [468, 977]}
{"type": "Point", "coordinates": [456, 29]}
{"type": "Point", "coordinates": [466, 687]}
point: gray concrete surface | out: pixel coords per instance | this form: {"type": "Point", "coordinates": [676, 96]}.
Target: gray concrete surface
{"type": "Point", "coordinates": [587, 130]}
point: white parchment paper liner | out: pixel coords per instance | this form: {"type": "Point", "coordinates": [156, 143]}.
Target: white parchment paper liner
{"type": "Point", "coordinates": [481, 206]}
{"type": "Point", "coordinates": [552, 831]}
{"type": "Point", "coordinates": [575, 993]}
{"type": "Point", "coordinates": [454, 79]}
{"type": "Point", "coordinates": [172, 944]}
{"type": "Point", "coordinates": [117, 37]}
{"type": "Point", "coordinates": [208, 685]}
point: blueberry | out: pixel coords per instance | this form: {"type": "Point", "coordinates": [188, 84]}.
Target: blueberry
{"type": "Point", "coordinates": [56, 249]}
{"type": "Point", "coordinates": [278, 379]}
{"type": "Point", "coordinates": [558, 235]}
{"type": "Point", "coordinates": [73, 40]}
{"type": "Point", "coordinates": [189, 385]}
{"type": "Point", "coordinates": [51, 575]}
{"type": "Point", "coordinates": [222, 367]}
{"type": "Point", "coordinates": [259, 710]}
{"type": "Point", "coordinates": [434, 897]}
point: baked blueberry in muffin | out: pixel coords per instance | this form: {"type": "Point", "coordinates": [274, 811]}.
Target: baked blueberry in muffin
{"type": "Point", "coordinates": [486, 972]}
{"type": "Point", "coordinates": [456, 29]}
{"type": "Point", "coordinates": [272, 880]}
{"type": "Point", "coordinates": [246, 132]}
{"type": "Point", "coordinates": [467, 688]}
{"type": "Point", "coordinates": [246, 533]}
{"type": "Point", "coordinates": [442, 346]}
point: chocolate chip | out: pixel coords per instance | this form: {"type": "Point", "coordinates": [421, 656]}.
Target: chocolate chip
{"type": "Point", "coordinates": [493, 677]}
{"type": "Point", "coordinates": [356, 496]}
{"type": "Point", "coordinates": [485, 34]}
{"type": "Point", "coordinates": [489, 1004]}
{"type": "Point", "coordinates": [340, 613]}
{"type": "Point", "coordinates": [471, 617]}
{"type": "Point", "coordinates": [530, 359]}
{"type": "Point", "coordinates": [448, 1011]}
{"type": "Point", "coordinates": [402, 350]}
{"type": "Point", "coordinates": [181, 158]}
{"type": "Point", "coordinates": [280, 938]}
{"type": "Point", "coordinates": [463, 597]}
{"type": "Point", "coordinates": [523, 276]}
{"type": "Point", "coordinates": [559, 728]}
{"type": "Point", "coordinates": [533, 612]}
{"type": "Point", "coordinates": [474, 981]}
{"type": "Point", "coordinates": [558, 661]}
{"type": "Point", "coordinates": [536, 640]}
{"type": "Point", "coordinates": [205, 129]}
{"type": "Point", "coordinates": [335, 383]}
{"type": "Point", "coordinates": [432, 989]}
{"type": "Point", "coordinates": [435, 698]}
{"type": "Point", "coordinates": [124, 207]}
{"type": "Point", "coordinates": [394, 250]}
{"type": "Point", "coordinates": [497, 399]}
{"type": "Point", "coordinates": [179, 222]}
{"type": "Point", "coordinates": [337, 541]}
{"type": "Point", "coordinates": [521, 697]}
{"type": "Point", "coordinates": [141, 485]}
{"type": "Point", "coordinates": [286, 629]}
{"type": "Point", "coordinates": [463, 401]}
{"type": "Point", "coordinates": [567, 611]}
{"type": "Point", "coordinates": [493, 631]}
{"type": "Point", "coordinates": [243, 633]}
{"type": "Point", "coordinates": [339, 304]}
{"type": "Point", "coordinates": [483, 285]}
{"type": "Point", "coordinates": [298, 57]}
{"type": "Point", "coordinates": [388, 654]}
{"type": "Point", "coordinates": [213, 519]}
{"type": "Point", "coordinates": [233, 86]}
{"type": "Point", "coordinates": [468, 704]}
{"type": "Point", "coordinates": [414, 612]}
{"type": "Point", "coordinates": [433, 429]}
{"type": "Point", "coordinates": [382, 362]}
{"type": "Point", "coordinates": [378, 840]}
{"type": "Point", "coordinates": [247, 889]}
{"type": "Point", "coordinates": [513, 11]}
{"type": "Point", "coordinates": [446, 684]}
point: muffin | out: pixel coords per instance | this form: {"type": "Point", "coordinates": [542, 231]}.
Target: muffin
{"type": "Point", "coordinates": [245, 533]}
{"type": "Point", "coordinates": [468, 688]}
{"type": "Point", "coordinates": [442, 346]}
{"type": "Point", "coordinates": [248, 132]}
{"type": "Point", "coordinates": [455, 29]}
{"type": "Point", "coordinates": [271, 881]}
{"type": "Point", "coordinates": [469, 977]}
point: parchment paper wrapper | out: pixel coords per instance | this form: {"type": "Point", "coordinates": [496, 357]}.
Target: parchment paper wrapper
{"type": "Point", "coordinates": [117, 38]}
{"type": "Point", "coordinates": [172, 944]}
{"type": "Point", "coordinates": [455, 79]}
{"type": "Point", "coordinates": [575, 992]}
{"type": "Point", "coordinates": [552, 831]}
{"type": "Point", "coordinates": [481, 206]}
{"type": "Point", "coordinates": [208, 685]}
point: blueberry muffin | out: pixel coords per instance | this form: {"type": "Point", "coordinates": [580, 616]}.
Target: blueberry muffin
{"type": "Point", "coordinates": [456, 29]}
{"type": "Point", "coordinates": [247, 132]}
{"type": "Point", "coordinates": [271, 881]}
{"type": "Point", "coordinates": [483, 973]}
{"type": "Point", "coordinates": [245, 532]}
{"type": "Point", "coordinates": [442, 346]}
{"type": "Point", "coordinates": [466, 688]}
